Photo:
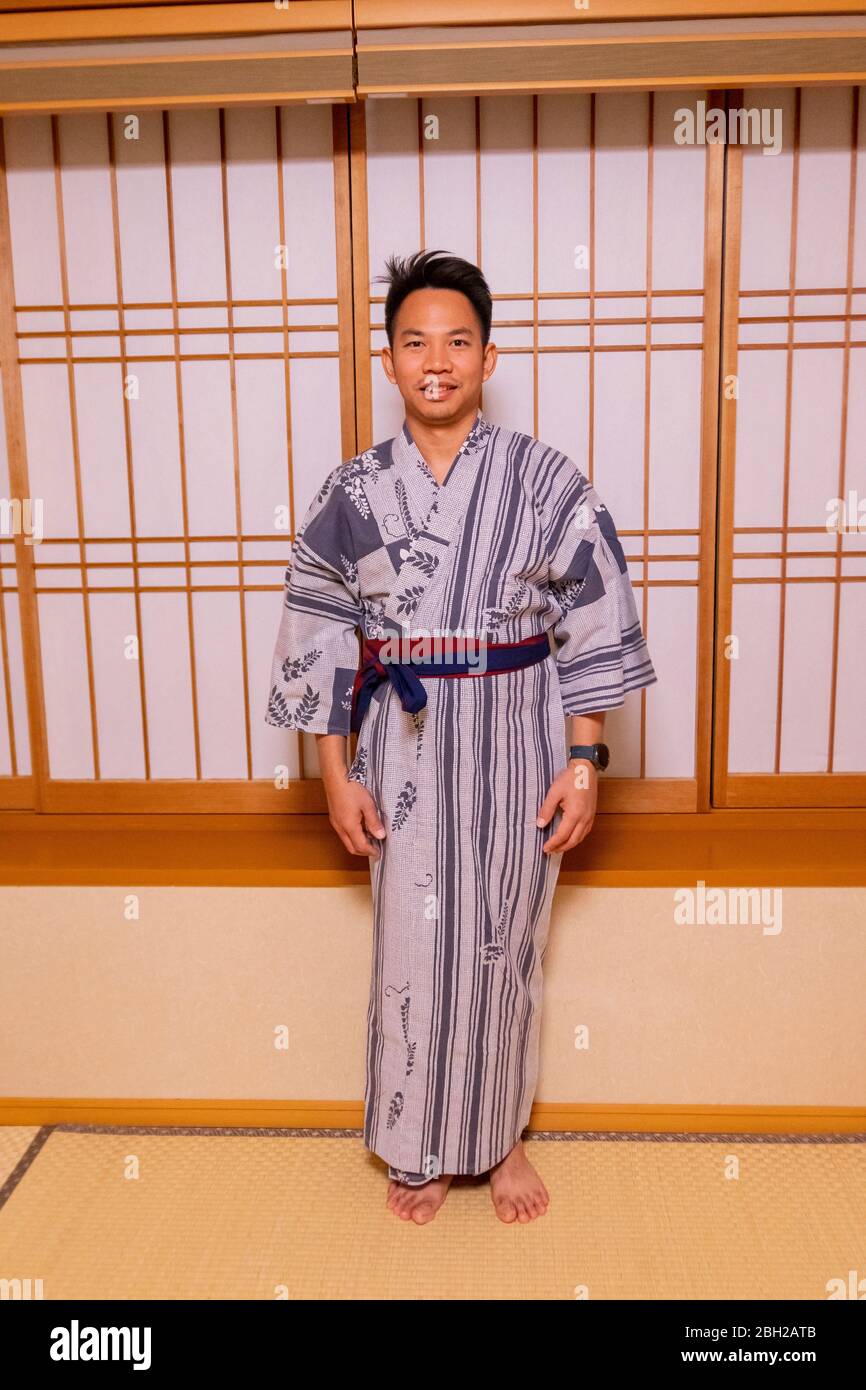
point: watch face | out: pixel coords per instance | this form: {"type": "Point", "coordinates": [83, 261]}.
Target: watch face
{"type": "Point", "coordinates": [602, 753]}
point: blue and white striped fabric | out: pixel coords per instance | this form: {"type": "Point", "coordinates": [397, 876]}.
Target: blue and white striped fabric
{"type": "Point", "coordinates": [515, 540]}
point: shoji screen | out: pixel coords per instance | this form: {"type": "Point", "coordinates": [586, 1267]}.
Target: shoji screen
{"type": "Point", "coordinates": [182, 288]}
{"type": "Point", "coordinates": [792, 614]}
{"type": "Point", "coordinates": [601, 240]}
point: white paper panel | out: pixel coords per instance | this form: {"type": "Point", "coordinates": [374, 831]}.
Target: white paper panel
{"type": "Point", "coordinates": [760, 439]}
{"type": "Point", "coordinates": [16, 694]}
{"type": "Point", "coordinates": [824, 186]}
{"type": "Point", "coordinates": [448, 150]}
{"type": "Point", "coordinates": [755, 625]}
{"type": "Point", "coordinates": [816, 421]}
{"type": "Point", "coordinates": [675, 440]}
{"type": "Point", "coordinates": [116, 686]}
{"type": "Point", "coordinates": [849, 744]}
{"type": "Point", "coordinates": [506, 193]}
{"type": "Point", "coordinates": [621, 191]}
{"type": "Point", "coordinates": [806, 683]}
{"type": "Point", "coordinates": [64, 676]}
{"type": "Point", "coordinates": [563, 192]}
{"type": "Point", "coordinates": [818, 210]}
{"type": "Point", "coordinates": [219, 680]}
{"type": "Point", "coordinates": [190, 458]}
{"type": "Point", "coordinates": [678, 198]}
{"type": "Point", "coordinates": [765, 246]}
{"type": "Point", "coordinates": [672, 636]}
{"type": "Point", "coordinates": [392, 185]}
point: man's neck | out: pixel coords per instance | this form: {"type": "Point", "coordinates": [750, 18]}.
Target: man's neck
{"type": "Point", "coordinates": [439, 443]}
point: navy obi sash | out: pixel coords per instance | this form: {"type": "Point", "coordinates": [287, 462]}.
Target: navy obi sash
{"type": "Point", "coordinates": [404, 676]}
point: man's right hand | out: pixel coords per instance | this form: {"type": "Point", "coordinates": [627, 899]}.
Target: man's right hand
{"type": "Point", "coordinates": [354, 816]}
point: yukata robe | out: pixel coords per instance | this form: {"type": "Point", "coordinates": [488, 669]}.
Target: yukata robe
{"type": "Point", "coordinates": [515, 541]}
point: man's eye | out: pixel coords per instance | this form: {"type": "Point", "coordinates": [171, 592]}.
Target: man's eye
{"type": "Point", "coordinates": [464, 341]}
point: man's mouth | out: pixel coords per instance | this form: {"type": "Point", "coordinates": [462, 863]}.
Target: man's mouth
{"type": "Point", "coordinates": [437, 390]}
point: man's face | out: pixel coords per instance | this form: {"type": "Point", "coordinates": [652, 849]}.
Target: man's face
{"type": "Point", "coordinates": [438, 362]}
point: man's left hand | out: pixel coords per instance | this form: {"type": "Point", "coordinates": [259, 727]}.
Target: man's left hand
{"type": "Point", "coordinates": [576, 791]}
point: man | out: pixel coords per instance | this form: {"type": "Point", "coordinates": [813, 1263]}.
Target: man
{"type": "Point", "coordinates": [456, 527]}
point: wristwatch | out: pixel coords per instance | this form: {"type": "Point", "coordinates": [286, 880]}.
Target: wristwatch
{"type": "Point", "coordinates": [596, 753]}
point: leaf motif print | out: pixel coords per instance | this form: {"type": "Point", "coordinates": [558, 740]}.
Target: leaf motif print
{"type": "Point", "coordinates": [405, 514]}
{"type": "Point", "coordinates": [494, 950]}
{"type": "Point", "coordinates": [278, 710]}
{"type": "Point", "coordinates": [566, 592]}
{"type": "Point", "coordinates": [295, 666]}
{"type": "Point", "coordinates": [346, 702]}
{"type": "Point", "coordinates": [495, 617]}
{"type": "Point", "coordinates": [395, 1109]}
{"type": "Point", "coordinates": [490, 951]}
{"type": "Point", "coordinates": [397, 1102]}
{"type": "Point", "coordinates": [358, 770]}
{"type": "Point", "coordinates": [355, 490]}
{"type": "Point", "coordinates": [408, 601]}
{"type": "Point", "coordinates": [365, 468]}
{"type": "Point", "coordinates": [405, 802]}
{"type": "Point", "coordinates": [500, 925]}
{"type": "Point", "coordinates": [404, 1017]}
{"type": "Point", "coordinates": [306, 709]}
{"type": "Point", "coordinates": [419, 719]}
{"type": "Point", "coordinates": [424, 561]}
{"type": "Point", "coordinates": [350, 569]}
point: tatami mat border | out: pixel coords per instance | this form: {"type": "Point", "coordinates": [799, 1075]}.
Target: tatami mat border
{"type": "Point", "coordinates": [567, 1136]}
{"type": "Point", "coordinates": [39, 1140]}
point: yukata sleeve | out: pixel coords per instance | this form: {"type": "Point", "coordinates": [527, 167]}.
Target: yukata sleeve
{"type": "Point", "coordinates": [316, 655]}
{"type": "Point", "coordinates": [600, 650]}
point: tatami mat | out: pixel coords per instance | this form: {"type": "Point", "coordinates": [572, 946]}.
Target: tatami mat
{"type": "Point", "coordinates": [260, 1215]}
{"type": "Point", "coordinates": [14, 1142]}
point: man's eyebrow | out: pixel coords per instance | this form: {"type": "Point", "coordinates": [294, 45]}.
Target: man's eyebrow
{"type": "Point", "coordinates": [420, 332]}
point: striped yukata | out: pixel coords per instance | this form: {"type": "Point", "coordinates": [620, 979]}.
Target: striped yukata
{"type": "Point", "coordinates": [515, 541]}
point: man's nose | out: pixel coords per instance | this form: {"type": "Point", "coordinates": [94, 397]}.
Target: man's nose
{"type": "Point", "coordinates": [436, 360]}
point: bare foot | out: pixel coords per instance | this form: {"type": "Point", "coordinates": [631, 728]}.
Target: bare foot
{"type": "Point", "coordinates": [517, 1191]}
{"type": "Point", "coordinates": [417, 1204]}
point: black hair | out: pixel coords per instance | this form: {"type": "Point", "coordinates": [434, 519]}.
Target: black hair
{"type": "Point", "coordinates": [435, 270]}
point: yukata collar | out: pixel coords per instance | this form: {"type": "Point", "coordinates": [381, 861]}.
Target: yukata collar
{"type": "Point", "coordinates": [475, 439]}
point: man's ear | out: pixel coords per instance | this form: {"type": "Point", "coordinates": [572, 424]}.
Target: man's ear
{"type": "Point", "coordinates": [490, 360]}
{"type": "Point", "coordinates": [388, 365]}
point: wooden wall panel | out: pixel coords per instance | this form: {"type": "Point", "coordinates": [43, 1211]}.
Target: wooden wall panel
{"type": "Point", "coordinates": [791, 661]}
{"type": "Point", "coordinates": [601, 239]}
{"type": "Point", "coordinates": [179, 314]}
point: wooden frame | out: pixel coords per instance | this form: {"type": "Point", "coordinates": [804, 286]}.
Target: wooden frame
{"type": "Point", "coordinates": [41, 791]}
{"type": "Point", "coordinates": [616, 794]}
{"type": "Point", "coordinates": [776, 789]}
{"type": "Point", "coordinates": [450, 64]}
{"type": "Point", "coordinates": [102, 56]}
{"type": "Point", "coordinates": [356, 421]}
